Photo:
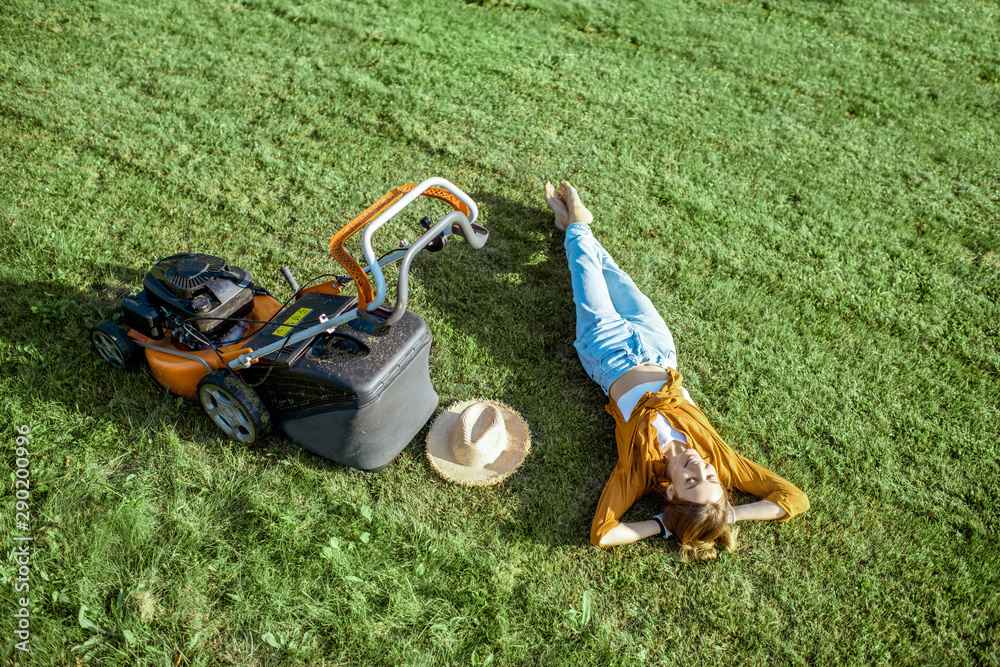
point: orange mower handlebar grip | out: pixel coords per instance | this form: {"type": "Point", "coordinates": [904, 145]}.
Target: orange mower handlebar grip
{"type": "Point", "coordinates": [365, 294]}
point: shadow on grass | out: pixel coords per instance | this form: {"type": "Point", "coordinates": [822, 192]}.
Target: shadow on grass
{"type": "Point", "coordinates": [51, 360]}
{"type": "Point", "coordinates": [48, 323]}
{"type": "Point", "coordinates": [515, 302]}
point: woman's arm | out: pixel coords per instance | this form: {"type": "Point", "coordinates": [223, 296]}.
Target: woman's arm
{"type": "Point", "coordinates": [623, 488]}
{"type": "Point", "coordinates": [762, 510]}
{"type": "Point", "coordinates": [626, 533]}
{"type": "Point", "coordinates": [781, 499]}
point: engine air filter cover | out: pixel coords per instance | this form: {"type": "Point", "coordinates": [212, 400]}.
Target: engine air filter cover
{"type": "Point", "coordinates": [201, 288]}
{"type": "Point", "coordinates": [184, 274]}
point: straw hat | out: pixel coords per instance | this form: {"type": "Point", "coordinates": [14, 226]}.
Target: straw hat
{"type": "Point", "coordinates": [478, 443]}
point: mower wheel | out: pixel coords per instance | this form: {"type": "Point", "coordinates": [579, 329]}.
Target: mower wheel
{"type": "Point", "coordinates": [114, 345]}
{"type": "Point", "coordinates": [234, 407]}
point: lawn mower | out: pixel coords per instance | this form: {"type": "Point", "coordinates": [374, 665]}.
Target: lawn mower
{"type": "Point", "coordinates": [345, 377]}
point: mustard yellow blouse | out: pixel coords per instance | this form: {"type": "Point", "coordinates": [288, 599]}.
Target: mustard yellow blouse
{"type": "Point", "coordinates": [641, 467]}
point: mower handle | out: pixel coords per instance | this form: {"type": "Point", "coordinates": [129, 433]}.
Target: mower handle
{"type": "Point", "coordinates": [461, 221]}
{"type": "Point", "coordinates": [376, 215]}
{"type": "Point", "coordinates": [453, 223]}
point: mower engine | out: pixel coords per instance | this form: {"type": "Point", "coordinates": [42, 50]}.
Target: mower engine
{"type": "Point", "coordinates": [200, 297]}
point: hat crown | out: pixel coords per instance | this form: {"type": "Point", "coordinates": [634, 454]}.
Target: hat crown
{"type": "Point", "coordinates": [478, 442]}
{"type": "Point", "coordinates": [481, 436]}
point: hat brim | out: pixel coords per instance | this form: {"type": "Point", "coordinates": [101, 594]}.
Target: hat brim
{"type": "Point", "coordinates": [439, 451]}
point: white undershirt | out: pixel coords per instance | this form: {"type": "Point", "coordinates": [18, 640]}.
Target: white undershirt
{"type": "Point", "coordinates": [665, 433]}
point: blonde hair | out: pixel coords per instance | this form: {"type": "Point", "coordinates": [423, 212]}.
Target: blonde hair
{"type": "Point", "coordinates": [700, 528]}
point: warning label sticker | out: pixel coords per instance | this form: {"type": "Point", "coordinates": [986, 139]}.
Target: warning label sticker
{"type": "Point", "coordinates": [296, 317]}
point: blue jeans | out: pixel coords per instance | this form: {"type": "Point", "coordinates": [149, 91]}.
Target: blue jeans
{"type": "Point", "coordinates": [617, 327]}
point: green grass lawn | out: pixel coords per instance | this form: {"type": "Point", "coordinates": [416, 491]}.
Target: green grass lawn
{"type": "Point", "coordinates": [809, 191]}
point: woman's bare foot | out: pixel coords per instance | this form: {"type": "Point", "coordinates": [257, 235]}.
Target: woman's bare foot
{"type": "Point", "coordinates": [558, 206]}
{"type": "Point", "coordinates": [577, 211]}
{"type": "Point", "coordinates": [566, 205]}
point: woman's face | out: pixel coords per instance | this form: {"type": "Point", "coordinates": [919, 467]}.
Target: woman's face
{"type": "Point", "coordinates": [693, 479]}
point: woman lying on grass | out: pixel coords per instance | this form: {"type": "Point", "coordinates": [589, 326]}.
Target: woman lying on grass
{"type": "Point", "coordinates": [665, 443]}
